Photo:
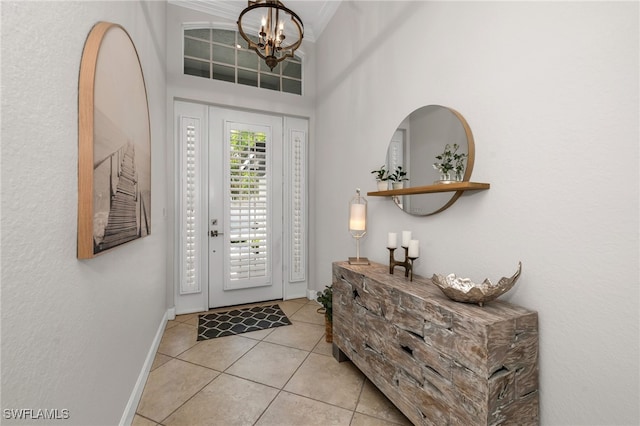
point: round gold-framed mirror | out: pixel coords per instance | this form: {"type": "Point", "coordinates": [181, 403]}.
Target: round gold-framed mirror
{"type": "Point", "coordinates": [422, 136]}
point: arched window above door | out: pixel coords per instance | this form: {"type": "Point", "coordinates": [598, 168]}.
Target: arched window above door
{"type": "Point", "coordinates": [218, 54]}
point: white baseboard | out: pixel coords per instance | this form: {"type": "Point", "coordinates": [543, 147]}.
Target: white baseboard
{"type": "Point", "coordinates": [136, 394]}
{"type": "Point", "coordinates": [171, 314]}
{"type": "Point", "coordinates": [312, 294]}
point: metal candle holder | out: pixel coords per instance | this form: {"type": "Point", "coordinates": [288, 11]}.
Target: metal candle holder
{"type": "Point", "coordinates": [407, 264]}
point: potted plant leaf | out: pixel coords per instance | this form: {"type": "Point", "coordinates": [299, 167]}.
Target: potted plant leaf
{"type": "Point", "coordinates": [381, 177]}
{"type": "Point", "coordinates": [398, 177]}
{"type": "Point", "coordinates": [325, 298]}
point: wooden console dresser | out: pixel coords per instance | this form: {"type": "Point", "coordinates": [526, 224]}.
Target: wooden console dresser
{"type": "Point", "coordinates": [440, 362]}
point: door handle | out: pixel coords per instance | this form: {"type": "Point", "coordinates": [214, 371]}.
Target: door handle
{"type": "Point", "coordinates": [215, 233]}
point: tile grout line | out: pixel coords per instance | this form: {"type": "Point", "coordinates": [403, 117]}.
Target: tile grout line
{"type": "Point", "coordinates": [292, 374]}
{"type": "Point", "coordinates": [364, 382]}
{"type": "Point", "coordinates": [221, 372]}
{"type": "Point", "coordinates": [242, 356]}
{"type": "Point", "coordinates": [280, 390]}
{"type": "Point", "coordinates": [188, 399]}
{"type": "Point", "coordinates": [283, 386]}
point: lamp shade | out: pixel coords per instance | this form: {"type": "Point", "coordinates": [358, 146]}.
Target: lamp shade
{"type": "Point", "coordinates": [358, 225]}
{"type": "Point", "coordinates": [358, 217]}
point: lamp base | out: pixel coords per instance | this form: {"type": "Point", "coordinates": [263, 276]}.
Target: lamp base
{"type": "Point", "coordinates": [358, 261]}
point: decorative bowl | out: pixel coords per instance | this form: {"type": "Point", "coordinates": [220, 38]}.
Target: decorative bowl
{"type": "Point", "coordinates": [466, 291]}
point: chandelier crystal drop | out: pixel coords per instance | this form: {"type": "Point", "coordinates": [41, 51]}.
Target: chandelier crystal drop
{"type": "Point", "coordinates": [278, 31]}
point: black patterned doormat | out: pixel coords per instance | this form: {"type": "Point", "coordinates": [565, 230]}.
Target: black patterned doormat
{"type": "Point", "coordinates": [239, 321]}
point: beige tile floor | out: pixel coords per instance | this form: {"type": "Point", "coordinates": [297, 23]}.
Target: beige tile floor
{"type": "Point", "coordinates": [280, 376]}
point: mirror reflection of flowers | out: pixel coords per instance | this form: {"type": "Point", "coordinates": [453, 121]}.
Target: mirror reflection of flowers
{"type": "Point", "coordinates": [450, 160]}
{"type": "Point", "coordinates": [459, 166]}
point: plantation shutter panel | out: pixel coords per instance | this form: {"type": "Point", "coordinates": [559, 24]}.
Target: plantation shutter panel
{"type": "Point", "coordinates": [298, 207]}
{"type": "Point", "coordinates": [249, 215]}
{"type": "Point", "coordinates": [190, 205]}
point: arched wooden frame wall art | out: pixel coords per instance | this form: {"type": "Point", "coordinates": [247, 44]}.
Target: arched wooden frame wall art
{"type": "Point", "coordinates": [114, 143]}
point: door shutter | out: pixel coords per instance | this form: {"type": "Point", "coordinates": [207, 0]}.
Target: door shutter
{"type": "Point", "coordinates": [248, 221]}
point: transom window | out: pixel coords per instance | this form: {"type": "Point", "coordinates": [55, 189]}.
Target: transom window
{"type": "Point", "coordinates": [219, 55]}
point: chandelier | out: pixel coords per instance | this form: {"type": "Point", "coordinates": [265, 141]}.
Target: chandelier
{"type": "Point", "coordinates": [279, 30]}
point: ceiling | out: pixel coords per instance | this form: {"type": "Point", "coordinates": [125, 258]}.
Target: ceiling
{"type": "Point", "coordinates": [315, 14]}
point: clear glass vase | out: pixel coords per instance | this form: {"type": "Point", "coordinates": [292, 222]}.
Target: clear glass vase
{"type": "Point", "coordinates": [445, 176]}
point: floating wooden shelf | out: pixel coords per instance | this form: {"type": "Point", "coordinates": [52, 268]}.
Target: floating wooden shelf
{"type": "Point", "coordinates": [442, 187]}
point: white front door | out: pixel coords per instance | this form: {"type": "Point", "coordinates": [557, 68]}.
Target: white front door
{"type": "Point", "coordinates": [241, 221]}
{"type": "Point", "coordinates": [245, 207]}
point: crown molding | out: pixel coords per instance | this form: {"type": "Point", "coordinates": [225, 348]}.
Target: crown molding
{"type": "Point", "coordinates": [314, 14]}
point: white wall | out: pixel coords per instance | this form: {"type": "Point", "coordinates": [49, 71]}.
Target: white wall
{"type": "Point", "coordinates": [550, 90]}
{"type": "Point", "coordinates": [75, 334]}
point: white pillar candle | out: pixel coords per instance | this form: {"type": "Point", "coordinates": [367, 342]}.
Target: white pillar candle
{"type": "Point", "coordinates": [392, 241]}
{"type": "Point", "coordinates": [414, 248]}
{"type": "Point", "coordinates": [357, 217]}
{"type": "Point", "coordinates": [406, 237]}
